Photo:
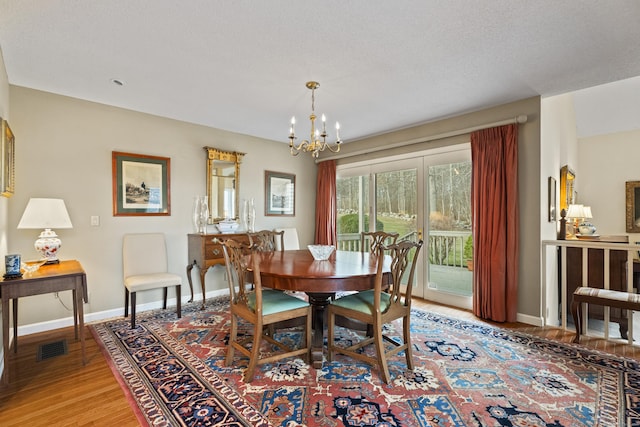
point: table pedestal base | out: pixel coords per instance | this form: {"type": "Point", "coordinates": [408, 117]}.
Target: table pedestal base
{"type": "Point", "coordinates": [319, 302]}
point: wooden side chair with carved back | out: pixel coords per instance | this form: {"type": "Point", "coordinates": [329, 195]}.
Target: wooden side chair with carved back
{"type": "Point", "coordinates": [267, 240]}
{"type": "Point", "coordinates": [260, 308]}
{"type": "Point", "coordinates": [372, 240]}
{"type": "Point", "coordinates": [377, 307]}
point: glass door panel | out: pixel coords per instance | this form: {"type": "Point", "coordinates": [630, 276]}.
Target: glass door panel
{"type": "Point", "coordinates": [353, 207]}
{"type": "Point", "coordinates": [449, 228]}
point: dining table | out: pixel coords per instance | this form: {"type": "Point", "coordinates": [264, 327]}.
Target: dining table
{"type": "Point", "coordinates": [297, 270]}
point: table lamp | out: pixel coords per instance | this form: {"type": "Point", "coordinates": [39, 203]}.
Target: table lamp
{"type": "Point", "coordinates": [47, 214]}
{"type": "Point", "coordinates": [575, 214]}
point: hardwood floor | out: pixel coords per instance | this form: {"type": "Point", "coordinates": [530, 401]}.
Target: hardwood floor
{"type": "Point", "coordinates": [61, 392]}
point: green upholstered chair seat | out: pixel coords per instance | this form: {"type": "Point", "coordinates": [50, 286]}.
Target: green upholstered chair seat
{"type": "Point", "coordinates": [363, 302]}
{"type": "Point", "coordinates": [275, 302]}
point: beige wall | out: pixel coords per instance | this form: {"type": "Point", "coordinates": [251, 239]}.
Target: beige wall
{"type": "Point", "coordinates": [605, 163]}
{"type": "Point", "coordinates": [558, 148]}
{"type": "Point", "coordinates": [4, 202]}
{"type": "Point", "coordinates": [63, 150]}
{"type": "Point", "coordinates": [529, 181]}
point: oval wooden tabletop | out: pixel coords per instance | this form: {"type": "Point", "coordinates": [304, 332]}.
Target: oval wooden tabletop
{"type": "Point", "coordinates": [298, 271]}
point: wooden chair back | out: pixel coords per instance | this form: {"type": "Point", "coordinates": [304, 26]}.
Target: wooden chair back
{"type": "Point", "coordinates": [267, 240]}
{"type": "Point", "coordinates": [372, 240]}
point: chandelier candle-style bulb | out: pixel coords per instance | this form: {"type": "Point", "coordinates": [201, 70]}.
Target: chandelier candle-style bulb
{"type": "Point", "coordinates": [317, 140]}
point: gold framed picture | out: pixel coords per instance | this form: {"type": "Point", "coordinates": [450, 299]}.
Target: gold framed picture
{"type": "Point", "coordinates": [8, 159]}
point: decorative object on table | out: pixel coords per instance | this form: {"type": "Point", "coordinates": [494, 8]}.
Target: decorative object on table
{"type": "Point", "coordinates": [567, 187]}
{"type": "Point", "coordinates": [31, 267]}
{"type": "Point", "coordinates": [12, 266]}
{"type": "Point", "coordinates": [585, 227]}
{"type": "Point", "coordinates": [632, 196]}
{"type": "Point", "coordinates": [462, 369]}
{"type": "Point", "coordinates": [47, 214]}
{"type": "Point", "coordinates": [575, 214]}
{"type": "Point", "coordinates": [552, 199]}
{"type": "Point", "coordinates": [141, 184]}
{"type": "Point", "coordinates": [249, 216]}
{"type": "Point", "coordinates": [197, 206]}
{"type": "Point", "coordinates": [7, 160]}
{"type": "Point", "coordinates": [562, 234]}
{"type": "Point", "coordinates": [227, 226]}
{"type": "Point", "coordinates": [317, 141]}
{"type": "Point", "coordinates": [200, 214]}
{"type": "Point", "coordinates": [279, 194]}
{"type": "Point", "coordinates": [321, 252]}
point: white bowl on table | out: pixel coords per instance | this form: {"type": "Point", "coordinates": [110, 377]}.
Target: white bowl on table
{"type": "Point", "coordinates": [321, 252]}
{"type": "Point", "coordinates": [227, 226]}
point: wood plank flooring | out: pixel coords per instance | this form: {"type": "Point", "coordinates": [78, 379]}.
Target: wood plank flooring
{"type": "Point", "coordinates": [61, 392]}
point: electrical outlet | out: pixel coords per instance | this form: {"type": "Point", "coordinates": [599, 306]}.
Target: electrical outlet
{"type": "Point", "coordinates": [95, 220]}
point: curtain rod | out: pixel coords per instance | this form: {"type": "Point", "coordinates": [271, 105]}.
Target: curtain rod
{"type": "Point", "coordinates": [522, 118]}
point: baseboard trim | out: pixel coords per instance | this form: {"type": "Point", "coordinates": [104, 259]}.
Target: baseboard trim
{"type": "Point", "coordinates": [530, 320]}
{"type": "Point", "coordinates": [103, 315]}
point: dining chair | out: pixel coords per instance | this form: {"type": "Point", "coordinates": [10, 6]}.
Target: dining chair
{"type": "Point", "coordinates": [267, 240]}
{"type": "Point", "coordinates": [260, 308]}
{"type": "Point", "coordinates": [145, 267]}
{"type": "Point", "coordinates": [290, 240]}
{"type": "Point", "coordinates": [378, 307]}
{"type": "Point", "coordinates": [371, 240]}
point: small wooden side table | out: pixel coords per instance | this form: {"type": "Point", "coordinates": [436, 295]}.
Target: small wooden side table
{"type": "Point", "coordinates": [64, 276]}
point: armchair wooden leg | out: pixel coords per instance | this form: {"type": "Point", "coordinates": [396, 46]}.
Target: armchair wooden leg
{"type": "Point", "coordinates": [255, 352]}
{"type": "Point", "coordinates": [406, 326]}
{"type": "Point", "coordinates": [382, 357]}
{"type": "Point", "coordinates": [165, 293]}
{"type": "Point", "coordinates": [576, 312]}
{"type": "Point", "coordinates": [232, 339]}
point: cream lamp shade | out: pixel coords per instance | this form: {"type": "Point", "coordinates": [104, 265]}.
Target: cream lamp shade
{"type": "Point", "coordinates": [46, 214]}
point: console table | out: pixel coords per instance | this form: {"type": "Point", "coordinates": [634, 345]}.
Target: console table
{"type": "Point", "coordinates": [205, 251]}
{"type": "Point", "coordinates": [64, 276]}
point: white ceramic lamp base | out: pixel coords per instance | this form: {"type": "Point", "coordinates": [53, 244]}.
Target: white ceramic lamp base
{"type": "Point", "coordinates": [48, 245]}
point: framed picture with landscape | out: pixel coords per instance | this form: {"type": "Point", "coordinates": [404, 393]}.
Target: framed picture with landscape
{"type": "Point", "coordinates": [7, 160]}
{"type": "Point", "coordinates": [279, 194]}
{"type": "Point", "coordinates": [141, 184]}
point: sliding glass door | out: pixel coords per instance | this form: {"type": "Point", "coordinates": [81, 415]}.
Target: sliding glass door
{"type": "Point", "coordinates": [427, 197]}
{"type": "Point", "coordinates": [448, 224]}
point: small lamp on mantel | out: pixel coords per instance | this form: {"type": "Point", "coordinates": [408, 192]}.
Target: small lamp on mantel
{"type": "Point", "coordinates": [47, 214]}
{"type": "Point", "coordinates": [575, 214]}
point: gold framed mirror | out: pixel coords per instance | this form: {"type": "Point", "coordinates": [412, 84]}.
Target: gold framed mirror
{"type": "Point", "coordinates": [223, 184]}
{"type": "Point", "coordinates": [632, 195]}
{"type": "Point", "coordinates": [567, 187]}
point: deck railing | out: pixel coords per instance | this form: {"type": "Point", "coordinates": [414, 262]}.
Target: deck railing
{"type": "Point", "coordinates": [444, 247]}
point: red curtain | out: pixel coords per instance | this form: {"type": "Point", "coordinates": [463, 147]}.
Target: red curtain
{"type": "Point", "coordinates": [494, 201]}
{"type": "Point", "coordinates": [326, 209]}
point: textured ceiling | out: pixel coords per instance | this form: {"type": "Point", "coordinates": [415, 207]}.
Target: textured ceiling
{"type": "Point", "coordinates": [242, 65]}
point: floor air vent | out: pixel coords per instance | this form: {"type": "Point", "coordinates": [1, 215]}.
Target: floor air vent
{"type": "Point", "coordinates": [52, 349]}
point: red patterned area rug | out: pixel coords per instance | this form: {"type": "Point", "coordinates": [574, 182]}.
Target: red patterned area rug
{"type": "Point", "coordinates": [466, 374]}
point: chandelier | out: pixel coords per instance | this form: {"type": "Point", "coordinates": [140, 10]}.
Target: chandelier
{"type": "Point", "coordinates": [318, 140]}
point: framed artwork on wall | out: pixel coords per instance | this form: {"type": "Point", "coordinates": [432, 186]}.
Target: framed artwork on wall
{"type": "Point", "coordinates": [552, 199]}
{"type": "Point", "coordinates": [632, 196]}
{"type": "Point", "coordinates": [567, 187]}
{"type": "Point", "coordinates": [7, 160]}
{"type": "Point", "coordinates": [279, 194]}
{"type": "Point", "coordinates": [141, 184]}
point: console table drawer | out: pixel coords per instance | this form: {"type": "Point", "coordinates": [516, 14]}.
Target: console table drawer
{"type": "Point", "coordinates": [213, 251]}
